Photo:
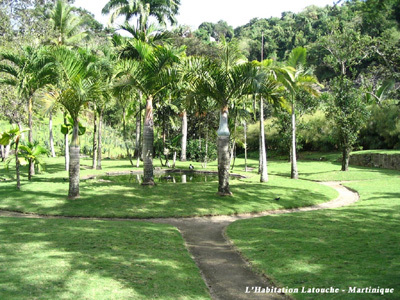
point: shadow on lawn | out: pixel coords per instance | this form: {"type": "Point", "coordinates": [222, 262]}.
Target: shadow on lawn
{"type": "Point", "coordinates": [74, 259]}
{"type": "Point", "coordinates": [352, 246]}
{"type": "Point", "coordinates": [109, 199]}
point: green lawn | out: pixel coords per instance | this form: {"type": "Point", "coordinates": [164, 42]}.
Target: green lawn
{"type": "Point", "coordinates": [46, 194]}
{"type": "Point", "coordinates": [75, 259]}
{"type": "Point", "coordinates": [358, 245]}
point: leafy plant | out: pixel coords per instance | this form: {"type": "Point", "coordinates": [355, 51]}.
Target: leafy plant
{"type": "Point", "coordinates": [34, 152]}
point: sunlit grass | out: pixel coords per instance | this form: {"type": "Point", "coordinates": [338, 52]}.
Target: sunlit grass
{"type": "Point", "coordinates": [46, 194]}
{"type": "Point", "coordinates": [351, 246]}
{"type": "Point", "coordinates": [74, 259]}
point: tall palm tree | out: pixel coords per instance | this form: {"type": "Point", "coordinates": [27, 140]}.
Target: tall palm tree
{"type": "Point", "coordinates": [67, 25]}
{"type": "Point", "coordinates": [79, 86]}
{"type": "Point", "coordinates": [162, 10]}
{"type": "Point", "coordinates": [151, 74]}
{"type": "Point", "coordinates": [223, 81]}
{"type": "Point", "coordinates": [68, 30]}
{"type": "Point", "coordinates": [28, 71]}
{"type": "Point", "coordinates": [265, 87]}
{"type": "Point", "coordinates": [296, 77]}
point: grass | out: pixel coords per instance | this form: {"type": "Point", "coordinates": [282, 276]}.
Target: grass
{"type": "Point", "coordinates": [77, 259]}
{"type": "Point", "coordinates": [390, 152]}
{"type": "Point", "coordinates": [352, 246]}
{"type": "Point", "coordinates": [46, 194]}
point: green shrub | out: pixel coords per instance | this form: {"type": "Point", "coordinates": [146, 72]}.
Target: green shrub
{"type": "Point", "coordinates": [197, 152]}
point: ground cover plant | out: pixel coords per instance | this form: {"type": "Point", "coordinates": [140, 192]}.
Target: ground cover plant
{"type": "Point", "coordinates": [346, 247]}
{"type": "Point", "coordinates": [80, 259]}
{"type": "Point", "coordinates": [45, 194]}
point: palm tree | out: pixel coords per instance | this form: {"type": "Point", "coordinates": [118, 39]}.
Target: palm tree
{"type": "Point", "coordinates": [150, 75]}
{"type": "Point", "coordinates": [265, 87]}
{"type": "Point", "coordinates": [295, 77]}
{"type": "Point", "coordinates": [223, 81]}
{"type": "Point", "coordinates": [28, 72]}
{"type": "Point", "coordinates": [162, 10]}
{"type": "Point", "coordinates": [66, 25]}
{"type": "Point", "coordinates": [33, 152]}
{"type": "Point", "coordinates": [79, 86]}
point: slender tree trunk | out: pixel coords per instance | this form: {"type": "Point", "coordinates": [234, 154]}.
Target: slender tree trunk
{"type": "Point", "coordinates": [126, 136]}
{"type": "Point", "coordinates": [184, 135]}
{"type": "Point", "coordinates": [31, 171]}
{"type": "Point", "coordinates": [2, 152]}
{"type": "Point", "coordinates": [7, 151]}
{"type": "Point", "coordinates": [138, 135]}
{"type": "Point", "coordinates": [206, 156]}
{"type": "Point", "coordinates": [294, 173]}
{"type": "Point", "coordinates": [74, 163]}
{"type": "Point", "coordinates": [98, 167]}
{"type": "Point", "coordinates": [94, 148]}
{"type": "Point", "coordinates": [66, 144]}
{"type": "Point", "coordinates": [148, 143]}
{"type": "Point", "coordinates": [263, 154]}
{"type": "Point", "coordinates": [245, 145]}
{"type": "Point", "coordinates": [51, 137]}
{"type": "Point", "coordinates": [17, 164]}
{"type": "Point", "coordinates": [345, 157]}
{"type": "Point", "coordinates": [223, 154]}
{"type": "Point", "coordinates": [260, 150]}
{"type": "Point", "coordinates": [30, 120]}
{"type": "Point", "coordinates": [174, 160]}
{"type": "Point", "coordinates": [19, 124]}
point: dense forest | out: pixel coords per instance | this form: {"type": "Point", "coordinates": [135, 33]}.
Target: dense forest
{"type": "Point", "coordinates": [324, 79]}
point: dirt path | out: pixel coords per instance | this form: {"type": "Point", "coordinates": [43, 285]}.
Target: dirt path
{"type": "Point", "coordinates": [225, 272]}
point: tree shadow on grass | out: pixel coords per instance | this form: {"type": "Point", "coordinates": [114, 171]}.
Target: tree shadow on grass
{"type": "Point", "coordinates": [110, 199]}
{"type": "Point", "coordinates": [341, 248]}
{"type": "Point", "coordinates": [75, 259]}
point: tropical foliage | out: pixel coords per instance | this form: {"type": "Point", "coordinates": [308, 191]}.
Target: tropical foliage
{"type": "Point", "coordinates": [159, 93]}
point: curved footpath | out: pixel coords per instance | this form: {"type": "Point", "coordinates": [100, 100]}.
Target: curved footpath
{"type": "Point", "coordinates": [225, 272]}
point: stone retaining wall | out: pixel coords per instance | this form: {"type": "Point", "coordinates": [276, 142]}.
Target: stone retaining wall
{"type": "Point", "coordinates": [385, 161]}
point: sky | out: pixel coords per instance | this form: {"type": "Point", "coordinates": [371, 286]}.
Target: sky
{"type": "Point", "coordinates": [235, 12]}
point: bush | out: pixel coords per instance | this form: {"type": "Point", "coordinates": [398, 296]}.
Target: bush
{"type": "Point", "coordinates": [197, 152]}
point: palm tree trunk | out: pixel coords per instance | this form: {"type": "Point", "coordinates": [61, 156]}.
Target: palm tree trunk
{"type": "Point", "coordinates": [263, 154]}
{"type": "Point", "coordinates": [128, 154]}
{"type": "Point", "coordinates": [2, 152]}
{"type": "Point", "coordinates": [17, 164]}
{"type": "Point", "coordinates": [74, 163]}
{"type": "Point", "coordinates": [148, 140]}
{"type": "Point", "coordinates": [138, 135]}
{"type": "Point", "coordinates": [184, 135]}
{"type": "Point", "coordinates": [206, 155]}
{"type": "Point", "coordinates": [30, 136]}
{"type": "Point", "coordinates": [174, 160]}
{"type": "Point", "coordinates": [223, 154]}
{"type": "Point", "coordinates": [94, 150]}
{"type": "Point", "coordinates": [66, 145]}
{"type": "Point", "coordinates": [98, 167]}
{"type": "Point", "coordinates": [51, 137]}
{"type": "Point", "coordinates": [294, 173]}
{"type": "Point", "coordinates": [245, 145]}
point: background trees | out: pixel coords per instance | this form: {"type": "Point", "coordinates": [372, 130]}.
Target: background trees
{"type": "Point", "coordinates": [357, 62]}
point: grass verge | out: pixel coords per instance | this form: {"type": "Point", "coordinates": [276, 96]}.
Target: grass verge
{"type": "Point", "coordinates": [46, 194]}
{"type": "Point", "coordinates": [76, 259]}
{"type": "Point", "coordinates": [355, 246]}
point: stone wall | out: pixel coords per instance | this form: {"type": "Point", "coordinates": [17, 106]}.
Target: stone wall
{"type": "Point", "coordinates": [386, 161]}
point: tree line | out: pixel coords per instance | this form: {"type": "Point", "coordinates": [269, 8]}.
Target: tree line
{"type": "Point", "coordinates": [331, 59]}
